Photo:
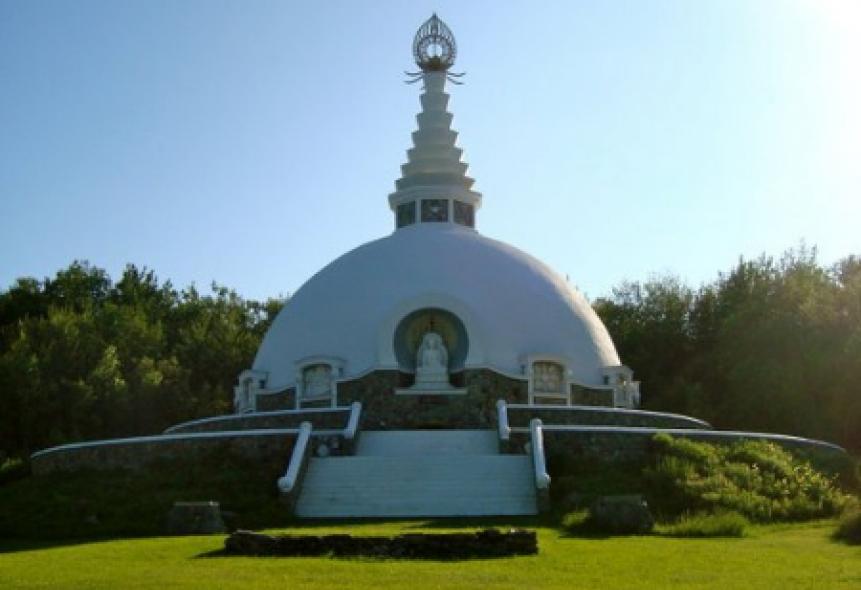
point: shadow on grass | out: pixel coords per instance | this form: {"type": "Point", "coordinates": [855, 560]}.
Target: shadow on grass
{"type": "Point", "coordinates": [408, 523]}
{"type": "Point", "coordinates": [19, 545]}
{"type": "Point", "coordinates": [222, 553]}
{"type": "Point", "coordinates": [480, 522]}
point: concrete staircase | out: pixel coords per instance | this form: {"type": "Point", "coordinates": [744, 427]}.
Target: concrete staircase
{"type": "Point", "coordinates": [419, 473]}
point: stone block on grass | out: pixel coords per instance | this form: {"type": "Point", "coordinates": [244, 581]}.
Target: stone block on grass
{"type": "Point", "coordinates": [195, 518]}
{"type": "Point", "coordinates": [621, 515]}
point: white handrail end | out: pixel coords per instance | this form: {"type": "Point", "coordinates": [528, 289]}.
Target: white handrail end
{"type": "Point", "coordinates": [287, 482]}
{"type": "Point", "coordinates": [353, 421]}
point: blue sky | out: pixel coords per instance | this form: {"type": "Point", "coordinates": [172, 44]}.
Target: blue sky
{"type": "Point", "coordinates": [253, 142]}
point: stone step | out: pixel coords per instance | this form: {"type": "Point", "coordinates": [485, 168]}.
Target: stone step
{"type": "Point", "coordinates": [427, 442]}
{"type": "Point", "coordinates": [430, 468]}
{"type": "Point", "coordinates": [412, 507]}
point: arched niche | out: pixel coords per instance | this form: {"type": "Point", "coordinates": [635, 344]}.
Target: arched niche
{"type": "Point", "coordinates": [412, 328]}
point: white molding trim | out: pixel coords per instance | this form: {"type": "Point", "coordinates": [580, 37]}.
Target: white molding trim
{"type": "Point", "coordinates": [249, 383]}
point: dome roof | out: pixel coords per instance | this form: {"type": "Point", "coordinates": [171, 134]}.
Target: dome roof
{"type": "Point", "coordinates": [511, 305]}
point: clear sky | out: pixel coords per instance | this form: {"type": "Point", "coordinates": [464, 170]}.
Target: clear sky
{"type": "Point", "coordinates": [253, 142]}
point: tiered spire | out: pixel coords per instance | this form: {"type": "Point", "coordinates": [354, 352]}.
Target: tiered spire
{"type": "Point", "coordinates": [434, 170]}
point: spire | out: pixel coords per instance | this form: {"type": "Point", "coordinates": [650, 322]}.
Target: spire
{"type": "Point", "coordinates": [433, 186]}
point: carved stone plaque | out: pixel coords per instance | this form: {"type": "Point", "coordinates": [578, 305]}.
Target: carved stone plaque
{"type": "Point", "coordinates": [317, 381]}
{"type": "Point", "coordinates": [548, 377]}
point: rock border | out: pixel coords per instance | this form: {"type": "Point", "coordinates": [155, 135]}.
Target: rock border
{"type": "Point", "coordinates": [482, 543]}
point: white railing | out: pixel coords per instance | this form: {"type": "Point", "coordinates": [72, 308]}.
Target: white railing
{"type": "Point", "coordinates": [502, 420]}
{"type": "Point", "coordinates": [352, 428]}
{"type": "Point", "coordinates": [164, 438]}
{"type": "Point", "coordinates": [251, 416]}
{"type": "Point", "coordinates": [542, 478]}
{"type": "Point", "coordinates": [288, 481]}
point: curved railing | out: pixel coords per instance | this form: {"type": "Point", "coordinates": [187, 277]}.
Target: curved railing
{"type": "Point", "coordinates": [705, 435]}
{"type": "Point", "coordinates": [287, 482]}
{"type": "Point", "coordinates": [601, 415]}
{"type": "Point", "coordinates": [252, 417]}
{"type": "Point", "coordinates": [163, 438]}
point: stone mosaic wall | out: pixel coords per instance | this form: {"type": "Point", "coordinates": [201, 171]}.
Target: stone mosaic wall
{"type": "Point", "coordinates": [283, 400]}
{"type": "Point", "coordinates": [141, 454]}
{"type": "Point", "coordinates": [583, 396]}
{"type": "Point", "coordinates": [384, 409]}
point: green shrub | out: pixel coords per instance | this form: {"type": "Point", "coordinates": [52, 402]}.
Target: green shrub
{"type": "Point", "coordinates": [722, 524]}
{"type": "Point", "coordinates": [849, 526]}
{"type": "Point", "coordinates": [136, 503]}
{"type": "Point", "coordinates": [13, 470]}
{"type": "Point", "coordinates": [757, 479]}
{"type": "Point", "coordinates": [575, 522]}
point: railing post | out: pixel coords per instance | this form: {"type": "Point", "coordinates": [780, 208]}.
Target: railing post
{"type": "Point", "coordinates": [351, 431]}
{"type": "Point", "coordinates": [502, 424]}
{"type": "Point", "coordinates": [289, 483]}
{"type": "Point", "coordinates": [542, 478]}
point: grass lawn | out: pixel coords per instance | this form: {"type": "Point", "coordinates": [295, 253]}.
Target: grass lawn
{"type": "Point", "coordinates": [776, 556]}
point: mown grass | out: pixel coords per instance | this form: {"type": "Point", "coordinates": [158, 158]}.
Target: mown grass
{"type": "Point", "coordinates": [785, 556]}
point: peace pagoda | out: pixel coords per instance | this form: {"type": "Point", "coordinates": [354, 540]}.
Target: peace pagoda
{"type": "Point", "coordinates": [429, 326]}
{"type": "Point", "coordinates": [431, 372]}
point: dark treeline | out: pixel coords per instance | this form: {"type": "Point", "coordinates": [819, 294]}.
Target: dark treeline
{"type": "Point", "coordinates": [773, 345]}
{"type": "Point", "coordinates": [83, 357]}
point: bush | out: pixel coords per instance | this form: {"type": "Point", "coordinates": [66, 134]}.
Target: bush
{"type": "Point", "coordinates": [621, 515]}
{"type": "Point", "coordinates": [723, 524]}
{"type": "Point", "coordinates": [13, 470]}
{"type": "Point", "coordinates": [615, 515]}
{"type": "Point", "coordinates": [136, 503]}
{"type": "Point", "coordinates": [756, 479]}
{"type": "Point", "coordinates": [575, 522]}
{"type": "Point", "coordinates": [849, 527]}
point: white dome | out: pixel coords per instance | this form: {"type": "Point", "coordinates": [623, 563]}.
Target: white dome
{"type": "Point", "coordinates": [511, 305]}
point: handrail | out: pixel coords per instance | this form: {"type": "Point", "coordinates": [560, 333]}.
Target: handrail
{"type": "Point", "coordinates": [542, 479]}
{"type": "Point", "coordinates": [604, 409]}
{"type": "Point", "coordinates": [287, 482]}
{"type": "Point", "coordinates": [502, 420]}
{"type": "Point", "coordinates": [682, 433]}
{"type": "Point", "coordinates": [252, 415]}
{"type": "Point", "coordinates": [160, 438]}
{"type": "Point", "coordinates": [352, 428]}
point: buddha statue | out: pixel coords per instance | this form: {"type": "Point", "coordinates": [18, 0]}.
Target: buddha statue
{"type": "Point", "coordinates": [432, 363]}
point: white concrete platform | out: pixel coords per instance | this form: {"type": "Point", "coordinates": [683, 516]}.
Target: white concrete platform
{"type": "Point", "coordinates": [420, 473]}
